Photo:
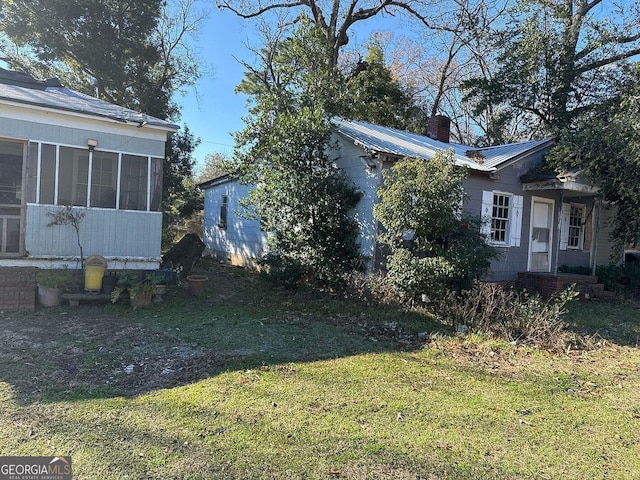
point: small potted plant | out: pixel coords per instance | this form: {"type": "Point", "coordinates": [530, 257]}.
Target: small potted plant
{"type": "Point", "coordinates": [51, 283]}
{"type": "Point", "coordinates": [141, 293]}
{"type": "Point", "coordinates": [140, 290]}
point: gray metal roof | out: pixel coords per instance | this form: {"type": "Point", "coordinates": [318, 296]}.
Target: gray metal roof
{"type": "Point", "coordinates": [391, 141]}
{"type": "Point", "coordinates": [60, 98]}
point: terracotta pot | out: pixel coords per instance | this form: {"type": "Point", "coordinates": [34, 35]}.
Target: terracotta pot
{"type": "Point", "coordinates": [141, 300]}
{"type": "Point", "coordinates": [197, 283]}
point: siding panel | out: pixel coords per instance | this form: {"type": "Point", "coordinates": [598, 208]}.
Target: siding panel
{"type": "Point", "coordinates": [110, 233]}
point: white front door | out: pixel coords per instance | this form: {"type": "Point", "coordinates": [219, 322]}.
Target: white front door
{"type": "Point", "coordinates": [541, 232]}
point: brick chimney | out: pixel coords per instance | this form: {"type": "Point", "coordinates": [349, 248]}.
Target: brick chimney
{"type": "Point", "coordinates": [438, 128]}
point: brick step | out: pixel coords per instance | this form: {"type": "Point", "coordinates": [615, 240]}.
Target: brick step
{"type": "Point", "coordinates": [17, 289]}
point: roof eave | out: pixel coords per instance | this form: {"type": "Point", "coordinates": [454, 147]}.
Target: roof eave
{"type": "Point", "coordinates": [168, 127]}
{"type": "Point", "coordinates": [468, 164]}
{"type": "Point", "coordinates": [214, 182]}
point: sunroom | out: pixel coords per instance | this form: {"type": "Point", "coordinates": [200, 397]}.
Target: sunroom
{"type": "Point", "coordinates": [60, 149]}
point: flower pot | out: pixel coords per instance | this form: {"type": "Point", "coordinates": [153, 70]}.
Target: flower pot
{"type": "Point", "coordinates": [197, 283]}
{"type": "Point", "coordinates": [141, 300]}
{"type": "Point", "coordinates": [109, 284]}
{"type": "Point", "coordinates": [49, 296]}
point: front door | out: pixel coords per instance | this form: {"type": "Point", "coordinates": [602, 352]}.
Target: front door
{"type": "Point", "coordinates": [541, 235]}
{"type": "Point", "coordinates": [11, 196]}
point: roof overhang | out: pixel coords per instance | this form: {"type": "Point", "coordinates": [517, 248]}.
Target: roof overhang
{"type": "Point", "coordinates": [217, 181]}
{"type": "Point", "coordinates": [571, 184]}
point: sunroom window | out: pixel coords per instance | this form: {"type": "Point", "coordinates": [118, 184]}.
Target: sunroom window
{"type": "Point", "coordinates": [61, 175]}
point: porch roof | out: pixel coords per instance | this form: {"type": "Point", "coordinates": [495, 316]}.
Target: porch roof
{"type": "Point", "coordinates": [571, 183]}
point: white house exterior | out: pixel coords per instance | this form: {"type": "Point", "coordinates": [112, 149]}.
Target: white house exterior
{"type": "Point", "coordinates": [62, 148]}
{"type": "Point", "coordinates": [227, 233]}
{"type": "Point", "coordinates": [538, 224]}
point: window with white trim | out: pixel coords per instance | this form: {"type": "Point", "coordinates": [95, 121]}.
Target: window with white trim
{"type": "Point", "coordinates": [572, 231]}
{"type": "Point", "coordinates": [502, 218]}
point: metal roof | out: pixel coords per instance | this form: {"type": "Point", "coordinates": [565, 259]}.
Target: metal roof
{"type": "Point", "coordinates": [391, 141]}
{"type": "Point", "coordinates": [29, 91]}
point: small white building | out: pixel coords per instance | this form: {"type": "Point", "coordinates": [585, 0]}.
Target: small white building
{"type": "Point", "coordinates": [62, 148]}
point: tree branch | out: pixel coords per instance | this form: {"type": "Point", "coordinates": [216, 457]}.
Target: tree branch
{"type": "Point", "coordinates": [607, 61]}
{"type": "Point", "coordinates": [257, 13]}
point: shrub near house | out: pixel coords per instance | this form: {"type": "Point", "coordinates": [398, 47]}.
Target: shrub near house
{"type": "Point", "coordinates": [432, 246]}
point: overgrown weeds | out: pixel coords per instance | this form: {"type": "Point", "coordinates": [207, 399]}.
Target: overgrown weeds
{"type": "Point", "coordinates": [513, 315]}
{"type": "Point", "coordinates": [373, 288]}
{"type": "Point", "coordinates": [489, 309]}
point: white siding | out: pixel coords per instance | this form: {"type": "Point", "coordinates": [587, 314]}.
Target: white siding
{"type": "Point", "coordinates": [367, 180]}
{"type": "Point", "coordinates": [241, 241]}
{"type": "Point", "coordinates": [111, 233]}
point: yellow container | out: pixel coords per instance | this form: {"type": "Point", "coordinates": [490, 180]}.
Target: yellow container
{"type": "Point", "coordinates": [94, 273]}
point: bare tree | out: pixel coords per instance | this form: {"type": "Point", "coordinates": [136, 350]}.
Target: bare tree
{"type": "Point", "coordinates": [334, 18]}
{"type": "Point", "coordinates": [434, 66]}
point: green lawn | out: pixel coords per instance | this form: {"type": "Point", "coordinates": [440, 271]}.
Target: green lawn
{"type": "Point", "coordinates": [255, 382]}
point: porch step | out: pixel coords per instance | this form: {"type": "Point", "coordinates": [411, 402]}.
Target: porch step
{"type": "Point", "coordinates": [17, 289]}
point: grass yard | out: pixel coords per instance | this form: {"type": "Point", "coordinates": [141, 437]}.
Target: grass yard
{"type": "Point", "coordinates": [250, 381]}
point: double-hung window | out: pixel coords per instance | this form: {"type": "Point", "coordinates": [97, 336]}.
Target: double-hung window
{"type": "Point", "coordinates": [573, 226]}
{"type": "Point", "coordinates": [501, 218]}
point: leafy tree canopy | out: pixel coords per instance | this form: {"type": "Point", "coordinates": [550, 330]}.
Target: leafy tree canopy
{"type": "Point", "coordinates": [558, 59]}
{"type": "Point", "coordinates": [373, 95]}
{"type": "Point", "coordinates": [301, 197]}
{"type": "Point", "coordinates": [121, 51]}
{"type": "Point", "coordinates": [605, 144]}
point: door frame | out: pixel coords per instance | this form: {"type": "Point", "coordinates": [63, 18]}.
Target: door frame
{"type": "Point", "coordinates": [22, 206]}
{"type": "Point", "coordinates": [552, 204]}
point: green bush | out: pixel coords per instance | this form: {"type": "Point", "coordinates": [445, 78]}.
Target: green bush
{"type": "Point", "coordinates": [434, 247]}
{"type": "Point", "coordinates": [624, 279]}
{"type": "Point", "coordinates": [412, 275]}
{"type": "Point", "coordinates": [282, 269]}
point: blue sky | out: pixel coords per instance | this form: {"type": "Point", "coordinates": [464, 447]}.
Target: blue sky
{"type": "Point", "coordinates": [213, 110]}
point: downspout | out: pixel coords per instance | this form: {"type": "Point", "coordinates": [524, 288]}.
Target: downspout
{"type": "Point", "coordinates": [559, 233]}
{"type": "Point", "coordinates": [596, 234]}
